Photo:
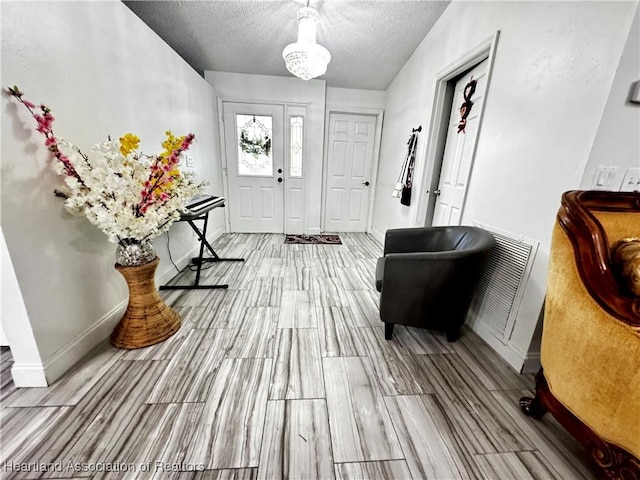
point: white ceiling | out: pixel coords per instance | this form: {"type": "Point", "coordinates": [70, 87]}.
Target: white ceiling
{"type": "Point", "coordinates": [369, 40]}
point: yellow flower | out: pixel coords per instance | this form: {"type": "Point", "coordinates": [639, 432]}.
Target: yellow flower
{"type": "Point", "coordinates": [128, 143]}
{"type": "Point", "coordinates": [171, 143]}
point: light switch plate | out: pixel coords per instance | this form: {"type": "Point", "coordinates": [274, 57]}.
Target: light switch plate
{"type": "Point", "coordinates": [188, 160]}
{"type": "Point", "coordinates": [606, 178]}
{"type": "Point", "coordinates": [635, 93]}
{"type": "Point", "coordinates": [631, 180]}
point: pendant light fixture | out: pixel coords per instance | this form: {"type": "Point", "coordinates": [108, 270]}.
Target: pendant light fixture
{"type": "Point", "coordinates": [305, 58]}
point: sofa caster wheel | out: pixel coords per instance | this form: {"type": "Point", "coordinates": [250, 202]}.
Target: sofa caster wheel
{"type": "Point", "coordinates": [388, 330]}
{"type": "Point", "coordinates": [532, 407]}
{"type": "Point", "coordinates": [453, 336]}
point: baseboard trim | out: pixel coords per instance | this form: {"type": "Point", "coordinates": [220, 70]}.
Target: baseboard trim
{"type": "Point", "coordinates": [29, 375]}
{"type": "Point", "coordinates": [378, 235]}
{"type": "Point", "coordinates": [508, 352]}
{"type": "Point", "coordinates": [65, 358]}
{"type": "Point", "coordinates": [216, 233]}
{"type": "Point", "coordinates": [532, 363]}
{"type": "Point", "coordinates": [183, 261]}
{"type": "Point", "coordinates": [314, 231]}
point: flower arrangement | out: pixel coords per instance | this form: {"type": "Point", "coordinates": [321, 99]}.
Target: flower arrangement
{"type": "Point", "coordinates": [130, 196]}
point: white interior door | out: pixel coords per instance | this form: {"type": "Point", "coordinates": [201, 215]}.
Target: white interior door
{"type": "Point", "coordinates": [254, 153]}
{"type": "Point", "coordinates": [349, 161]}
{"type": "Point", "coordinates": [459, 150]}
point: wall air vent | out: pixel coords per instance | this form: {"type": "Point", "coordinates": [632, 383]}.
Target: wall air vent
{"type": "Point", "coordinates": [498, 295]}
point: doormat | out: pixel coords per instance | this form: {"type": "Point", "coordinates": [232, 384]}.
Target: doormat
{"type": "Point", "coordinates": [313, 239]}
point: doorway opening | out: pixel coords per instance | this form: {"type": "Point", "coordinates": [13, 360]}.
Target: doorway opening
{"type": "Point", "coordinates": [451, 149]}
{"type": "Point", "coordinates": [352, 145]}
{"type": "Point", "coordinates": [265, 165]}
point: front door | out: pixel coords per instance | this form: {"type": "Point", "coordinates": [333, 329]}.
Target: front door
{"type": "Point", "coordinates": [459, 150]}
{"type": "Point", "coordinates": [255, 162]}
{"type": "Point", "coordinates": [349, 162]}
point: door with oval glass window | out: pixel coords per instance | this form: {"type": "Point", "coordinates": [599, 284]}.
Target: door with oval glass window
{"type": "Point", "coordinates": [255, 161]}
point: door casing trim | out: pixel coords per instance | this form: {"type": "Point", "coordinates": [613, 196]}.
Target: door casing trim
{"type": "Point", "coordinates": [438, 125]}
{"type": "Point", "coordinates": [372, 112]}
{"type": "Point", "coordinates": [221, 100]}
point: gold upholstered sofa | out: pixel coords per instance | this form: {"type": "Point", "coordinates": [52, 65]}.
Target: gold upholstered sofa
{"type": "Point", "coordinates": [590, 355]}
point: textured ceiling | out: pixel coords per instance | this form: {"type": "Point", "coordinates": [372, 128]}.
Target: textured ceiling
{"type": "Point", "coordinates": [369, 40]}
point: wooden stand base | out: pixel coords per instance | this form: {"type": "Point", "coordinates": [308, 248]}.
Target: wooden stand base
{"type": "Point", "coordinates": [613, 462]}
{"type": "Point", "coordinates": [148, 320]}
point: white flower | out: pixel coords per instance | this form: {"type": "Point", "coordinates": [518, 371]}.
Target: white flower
{"type": "Point", "coordinates": [112, 193]}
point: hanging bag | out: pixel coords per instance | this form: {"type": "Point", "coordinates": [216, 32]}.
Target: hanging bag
{"type": "Point", "coordinates": [405, 198]}
{"type": "Point", "coordinates": [397, 191]}
{"type": "Point", "coordinates": [400, 184]}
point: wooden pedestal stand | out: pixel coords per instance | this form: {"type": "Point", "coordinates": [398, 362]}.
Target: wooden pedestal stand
{"type": "Point", "coordinates": [148, 320]}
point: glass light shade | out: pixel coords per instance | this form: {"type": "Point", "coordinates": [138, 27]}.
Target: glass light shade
{"type": "Point", "coordinates": [305, 58]}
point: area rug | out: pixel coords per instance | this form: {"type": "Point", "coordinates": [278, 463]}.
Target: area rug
{"type": "Point", "coordinates": [313, 239]}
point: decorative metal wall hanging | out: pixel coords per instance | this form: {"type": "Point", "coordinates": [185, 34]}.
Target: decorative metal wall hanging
{"type": "Point", "coordinates": [465, 108]}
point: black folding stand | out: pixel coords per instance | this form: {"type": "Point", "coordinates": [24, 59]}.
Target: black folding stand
{"type": "Point", "coordinates": [200, 259]}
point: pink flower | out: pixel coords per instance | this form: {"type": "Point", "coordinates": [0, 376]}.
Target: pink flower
{"type": "Point", "coordinates": [44, 124]}
{"type": "Point", "coordinates": [187, 141]}
{"type": "Point", "coordinates": [164, 197]}
{"type": "Point", "coordinates": [166, 168]}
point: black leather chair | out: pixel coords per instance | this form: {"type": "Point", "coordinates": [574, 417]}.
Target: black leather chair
{"type": "Point", "coordinates": [427, 276]}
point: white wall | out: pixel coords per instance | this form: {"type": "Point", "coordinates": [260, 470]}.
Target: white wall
{"type": "Point", "coordinates": [618, 139]}
{"type": "Point", "coordinates": [554, 66]}
{"type": "Point", "coordinates": [355, 98]}
{"type": "Point", "coordinates": [16, 322]}
{"type": "Point", "coordinates": [103, 72]}
{"type": "Point", "coordinates": [4, 342]}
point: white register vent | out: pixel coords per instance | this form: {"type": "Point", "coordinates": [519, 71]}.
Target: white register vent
{"type": "Point", "coordinates": [498, 295]}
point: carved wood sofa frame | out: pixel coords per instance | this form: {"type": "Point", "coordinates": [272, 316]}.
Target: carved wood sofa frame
{"type": "Point", "coordinates": [592, 253]}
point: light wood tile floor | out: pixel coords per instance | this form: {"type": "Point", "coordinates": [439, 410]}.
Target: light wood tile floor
{"type": "Point", "coordinates": [285, 375]}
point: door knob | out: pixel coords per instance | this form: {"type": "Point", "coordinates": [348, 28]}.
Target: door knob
{"type": "Point", "coordinates": [279, 170]}
{"type": "Point", "coordinates": [436, 192]}
{"type": "Point", "coordinates": [365, 183]}
{"type": "Point", "coordinates": [279, 179]}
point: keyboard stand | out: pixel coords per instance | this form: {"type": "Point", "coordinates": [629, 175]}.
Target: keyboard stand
{"type": "Point", "coordinates": [200, 259]}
